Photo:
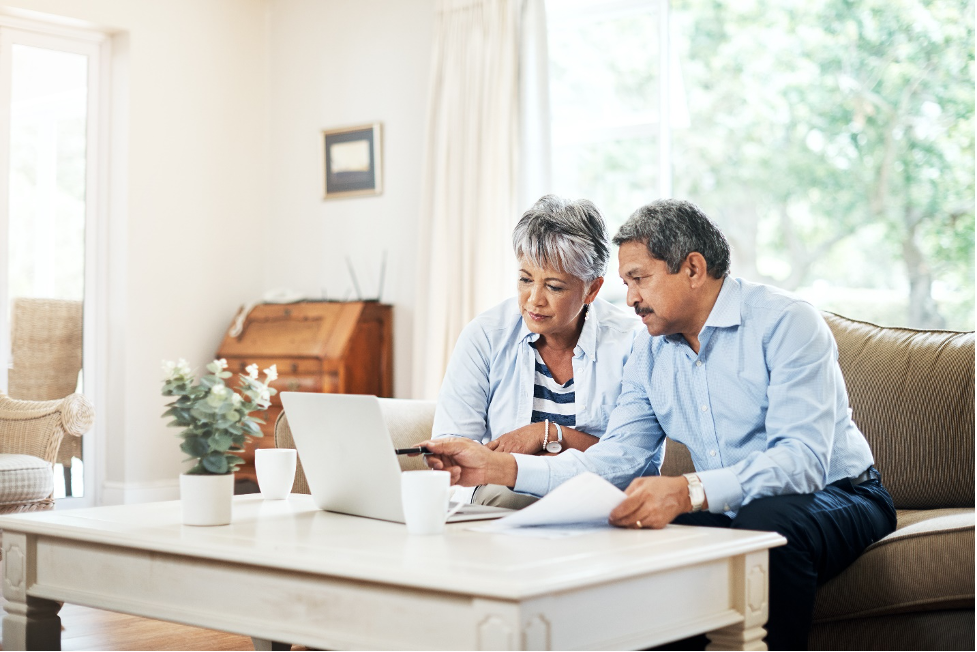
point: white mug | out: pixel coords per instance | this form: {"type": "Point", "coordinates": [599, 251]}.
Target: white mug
{"type": "Point", "coordinates": [425, 496]}
{"type": "Point", "coordinates": [275, 468]}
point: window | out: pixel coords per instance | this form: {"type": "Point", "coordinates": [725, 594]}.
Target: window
{"type": "Point", "coordinates": [832, 141]}
{"type": "Point", "coordinates": [49, 206]}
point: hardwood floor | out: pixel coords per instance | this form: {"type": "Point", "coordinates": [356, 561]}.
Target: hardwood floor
{"type": "Point", "coordinates": [94, 629]}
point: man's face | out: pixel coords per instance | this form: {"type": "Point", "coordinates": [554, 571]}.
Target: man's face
{"type": "Point", "coordinates": [662, 300]}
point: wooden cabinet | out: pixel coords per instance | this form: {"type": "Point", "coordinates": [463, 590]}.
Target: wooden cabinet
{"type": "Point", "coordinates": [332, 347]}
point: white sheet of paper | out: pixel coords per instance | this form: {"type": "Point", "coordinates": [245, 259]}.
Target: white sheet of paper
{"type": "Point", "coordinates": [546, 531]}
{"type": "Point", "coordinates": [586, 498]}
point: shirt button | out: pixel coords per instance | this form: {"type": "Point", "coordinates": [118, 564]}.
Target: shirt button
{"type": "Point", "coordinates": [726, 508]}
{"type": "Point", "coordinates": [698, 363]}
{"type": "Point", "coordinates": [712, 453]}
{"type": "Point", "coordinates": [705, 407]}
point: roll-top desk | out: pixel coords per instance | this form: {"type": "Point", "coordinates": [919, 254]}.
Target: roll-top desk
{"type": "Point", "coordinates": [331, 347]}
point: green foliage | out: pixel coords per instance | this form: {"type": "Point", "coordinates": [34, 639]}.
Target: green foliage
{"type": "Point", "coordinates": [832, 140]}
{"type": "Point", "coordinates": [216, 422]}
{"type": "Point", "coordinates": [818, 123]}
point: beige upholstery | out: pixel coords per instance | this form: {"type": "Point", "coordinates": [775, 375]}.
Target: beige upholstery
{"type": "Point", "coordinates": [912, 394]}
{"type": "Point", "coordinates": [26, 483]}
{"type": "Point", "coordinates": [45, 344]}
{"type": "Point", "coordinates": [30, 436]}
{"type": "Point", "coordinates": [407, 421]}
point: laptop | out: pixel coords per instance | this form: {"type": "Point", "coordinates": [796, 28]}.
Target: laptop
{"type": "Point", "coordinates": [349, 458]}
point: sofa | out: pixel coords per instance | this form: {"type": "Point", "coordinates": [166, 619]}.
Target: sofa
{"type": "Point", "coordinates": [912, 394]}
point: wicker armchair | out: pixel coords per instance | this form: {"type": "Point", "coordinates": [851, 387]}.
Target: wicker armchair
{"type": "Point", "coordinates": [46, 340]}
{"type": "Point", "coordinates": [30, 436]}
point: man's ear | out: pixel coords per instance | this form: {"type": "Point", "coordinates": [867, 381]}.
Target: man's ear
{"type": "Point", "coordinates": [595, 286]}
{"type": "Point", "coordinates": [696, 268]}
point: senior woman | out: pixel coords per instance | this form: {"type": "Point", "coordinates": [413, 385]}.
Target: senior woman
{"type": "Point", "coordinates": [540, 372]}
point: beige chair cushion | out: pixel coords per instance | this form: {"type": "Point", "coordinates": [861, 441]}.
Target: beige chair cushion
{"type": "Point", "coordinates": [923, 630]}
{"type": "Point", "coordinates": [408, 422]}
{"type": "Point", "coordinates": [24, 479]}
{"type": "Point", "coordinates": [926, 564]}
{"type": "Point", "coordinates": [912, 394]}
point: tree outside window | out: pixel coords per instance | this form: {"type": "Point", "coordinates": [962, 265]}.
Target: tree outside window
{"type": "Point", "coordinates": [832, 141]}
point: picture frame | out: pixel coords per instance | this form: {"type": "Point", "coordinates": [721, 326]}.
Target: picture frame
{"type": "Point", "coordinates": [352, 162]}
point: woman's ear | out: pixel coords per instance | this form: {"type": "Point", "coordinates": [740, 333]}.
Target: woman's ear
{"type": "Point", "coordinates": [594, 288]}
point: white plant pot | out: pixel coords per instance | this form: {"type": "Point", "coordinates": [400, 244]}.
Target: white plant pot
{"type": "Point", "coordinates": [206, 499]}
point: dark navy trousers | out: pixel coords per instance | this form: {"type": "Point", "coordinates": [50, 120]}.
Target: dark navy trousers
{"type": "Point", "coordinates": [825, 531]}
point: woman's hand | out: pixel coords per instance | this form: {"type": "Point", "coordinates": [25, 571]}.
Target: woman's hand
{"type": "Point", "coordinates": [527, 440]}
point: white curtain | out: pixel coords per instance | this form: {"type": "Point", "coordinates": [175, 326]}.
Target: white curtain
{"type": "Point", "coordinates": [472, 186]}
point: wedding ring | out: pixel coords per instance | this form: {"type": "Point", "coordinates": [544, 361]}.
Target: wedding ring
{"type": "Point", "coordinates": [638, 523]}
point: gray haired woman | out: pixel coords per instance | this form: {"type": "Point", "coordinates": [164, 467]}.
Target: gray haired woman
{"type": "Point", "coordinates": [539, 373]}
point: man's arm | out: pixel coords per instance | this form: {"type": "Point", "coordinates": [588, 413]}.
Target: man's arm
{"type": "Point", "coordinates": [803, 398]}
{"type": "Point", "coordinates": [464, 396]}
{"type": "Point", "coordinates": [632, 446]}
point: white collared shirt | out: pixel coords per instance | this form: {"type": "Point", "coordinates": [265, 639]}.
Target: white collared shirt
{"type": "Point", "coordinates": [488, 387]}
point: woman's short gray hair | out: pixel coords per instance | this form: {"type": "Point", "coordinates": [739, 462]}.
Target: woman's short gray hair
{"type": "Point", "coordinates": [567, 234]}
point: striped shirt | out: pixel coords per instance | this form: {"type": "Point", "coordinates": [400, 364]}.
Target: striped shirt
{"type": "Point", "coordinates": [551, 400]}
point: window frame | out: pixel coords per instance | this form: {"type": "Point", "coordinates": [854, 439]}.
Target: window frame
{"type": "Point", "coordinates": [96, 46]}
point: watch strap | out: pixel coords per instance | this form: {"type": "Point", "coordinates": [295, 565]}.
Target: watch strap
{"type": "Point", "coordinates": [697, 494]}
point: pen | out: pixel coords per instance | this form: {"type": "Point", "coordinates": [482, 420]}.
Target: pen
{"type": "Point", "coordinates": [412, 451]}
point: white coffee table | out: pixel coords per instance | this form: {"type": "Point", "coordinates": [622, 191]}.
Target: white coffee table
{"type": "Point", "coordinates": [285, 571]}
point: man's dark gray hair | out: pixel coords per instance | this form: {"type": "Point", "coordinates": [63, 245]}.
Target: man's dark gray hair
{"type": "Point", "coordinates": [674, 228]}
{"type": "Point", "coordinates": [567, 234]}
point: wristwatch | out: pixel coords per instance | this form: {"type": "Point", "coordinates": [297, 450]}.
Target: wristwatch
{"type": "Point", "coordinates": [696, 493]}
{"type": "Point", "coordinates": [556, 445]}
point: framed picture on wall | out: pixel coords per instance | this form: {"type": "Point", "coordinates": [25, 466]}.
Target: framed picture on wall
{"type": "Point", "coordinates": [351, 157]}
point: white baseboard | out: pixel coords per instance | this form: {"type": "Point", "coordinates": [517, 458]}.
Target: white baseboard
{"type": "Point", "coordinates": [125, 493]}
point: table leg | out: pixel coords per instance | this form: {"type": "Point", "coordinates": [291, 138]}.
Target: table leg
{"type": "Point", "coordinates": [32, 625]}
{"type": "Point", "coordinates": [750, 598]}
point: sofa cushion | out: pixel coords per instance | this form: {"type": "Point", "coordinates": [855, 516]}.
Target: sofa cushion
{"type": "Point", "coordinates": [912, 395]}
{"type": "Point", "coordinates": [924, 630]}
{"type": "Point", "coordinates": [24, 479]}
{"type": "Point", "coordinates": [926, 564]}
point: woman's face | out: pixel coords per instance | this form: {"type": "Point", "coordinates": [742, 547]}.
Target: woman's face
{"type": "Point", "coordinates": [551, 300]}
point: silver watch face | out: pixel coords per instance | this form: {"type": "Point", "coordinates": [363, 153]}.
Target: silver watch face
{"type": "Point", "coordinates": [554, 447]}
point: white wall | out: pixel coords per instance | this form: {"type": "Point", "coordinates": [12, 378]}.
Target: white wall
{"type": "Point", "coordinates": [335, 63]}
{"type": "Point", "coordinates": [189, 206]}
{"type": "Point", "coordinates": [217, 193]}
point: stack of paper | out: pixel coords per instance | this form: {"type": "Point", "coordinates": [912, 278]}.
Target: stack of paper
{"type": "Point", "coordinates": [576, 506]}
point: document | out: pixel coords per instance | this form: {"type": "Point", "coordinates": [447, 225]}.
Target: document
{"type": "Point", "coordinates": [579, 505]}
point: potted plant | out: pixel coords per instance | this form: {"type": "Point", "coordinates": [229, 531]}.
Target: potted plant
{"type": "Point", "coordinates": [216, 423]}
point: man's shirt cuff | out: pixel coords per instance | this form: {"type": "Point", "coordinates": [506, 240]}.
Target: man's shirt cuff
{"type": "Point", "coordinates": [723, 490]}
{"type": "Point", "coordinates": [532, 474]}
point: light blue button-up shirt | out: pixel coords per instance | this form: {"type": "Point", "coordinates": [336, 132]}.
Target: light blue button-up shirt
{"type": "Point", "coordinates": [762, 408]}
{"type": "Point", "coordinates": [488, 387]}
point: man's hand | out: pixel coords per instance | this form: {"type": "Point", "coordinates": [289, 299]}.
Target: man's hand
{"type": "Point", "coordinates": [527, 440]}
{"type": "Point", "coordinates": [470, 463]}
{"type": "Point", "coordinates": [652, 502]}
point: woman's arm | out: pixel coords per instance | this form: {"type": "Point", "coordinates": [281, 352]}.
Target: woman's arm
{"type": "Point", "coordinates": [528, 440]}
{"type": "Point", "coordinates": [464, 397]}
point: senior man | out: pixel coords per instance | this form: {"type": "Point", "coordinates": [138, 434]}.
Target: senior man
{"type": "Point", "coordinates": [746, 376]}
